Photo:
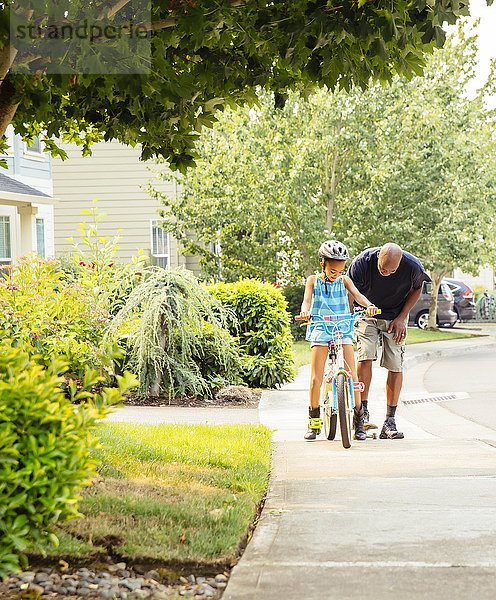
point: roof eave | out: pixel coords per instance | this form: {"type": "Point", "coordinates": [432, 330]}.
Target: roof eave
{"type": "Point", "coordinates": [23, 200]}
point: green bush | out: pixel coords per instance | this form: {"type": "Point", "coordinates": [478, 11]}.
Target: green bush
{"type": "Point", "coordinates": [485, 307]}
{"type": "Point", "coordinates": [263, 332]}
{"type": "Point", "coordinates": [45, 445]}
{"type": "Point", "coordinates": [294, 297]}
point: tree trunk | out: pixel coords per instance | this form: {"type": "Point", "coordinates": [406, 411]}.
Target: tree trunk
{"type": "Point", "coordinates": [7, 55]}
{"type": "Point", "coordinates": [155, 387]}
{"type": "Point", "coordinates": [437, 277]}
{"type": "Point", "coordinates": [7, 106]}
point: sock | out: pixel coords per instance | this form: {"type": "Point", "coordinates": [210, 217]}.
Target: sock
{"type": "Point", "coordinates": [365, 404]}
{"type": "Point", "coordinates": [391, 410]}
{"type": "Point", "coordinates": [314, 413]}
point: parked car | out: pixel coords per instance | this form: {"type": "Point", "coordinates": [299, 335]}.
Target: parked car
{"type": "Point", "coordinates": [464, 299]}
{"type": "Point", "coordinates": [446, 315]}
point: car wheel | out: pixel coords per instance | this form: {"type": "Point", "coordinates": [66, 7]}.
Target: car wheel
{"type": "Point", "coordinates": [422, 319]}
{"type": "Point", "coordinates": [454, 322]}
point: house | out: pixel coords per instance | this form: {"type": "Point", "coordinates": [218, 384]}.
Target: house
{"type": "Point", "coordinates": [26, 201]}
{"type": "Point", "coordinates": [486, 277]}
{"type": "Point", "coordinates": [115, 176]}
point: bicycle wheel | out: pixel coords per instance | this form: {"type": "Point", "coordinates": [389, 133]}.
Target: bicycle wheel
{"type": "Point", "coordinates": [330, 419]}
{"type": "Point", "coordinates": [343, 392]}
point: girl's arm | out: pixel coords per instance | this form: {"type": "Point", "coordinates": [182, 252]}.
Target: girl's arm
{"type": "Point", "coordinates": [358, 297]}
{"type": "Point", "coordinates": [307, 298]}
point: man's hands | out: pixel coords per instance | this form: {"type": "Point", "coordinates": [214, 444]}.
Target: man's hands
{"type": "Point", "coordinates": [398, 326]}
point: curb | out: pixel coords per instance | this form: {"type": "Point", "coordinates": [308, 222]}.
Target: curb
{"type": "Point", "coordinates": [431, 355]}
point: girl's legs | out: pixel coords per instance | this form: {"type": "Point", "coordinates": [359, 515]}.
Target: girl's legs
{"type": "Point", "coordinates": [319, 357]}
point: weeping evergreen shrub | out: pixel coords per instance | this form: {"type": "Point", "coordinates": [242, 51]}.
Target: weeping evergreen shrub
{"type": "Point", "coordinates": [263, 333]}
{"type": "Point", "coordinates": [177, 333]}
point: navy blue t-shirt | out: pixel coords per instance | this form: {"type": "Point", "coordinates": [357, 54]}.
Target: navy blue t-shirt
{"type": "Point", "coordinates": [387, 293]}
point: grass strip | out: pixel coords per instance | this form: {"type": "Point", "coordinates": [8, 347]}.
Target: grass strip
{"type": "Point", "coordinates": [170, 493]}
{"type": "Point", "coordinates": [415, 336]}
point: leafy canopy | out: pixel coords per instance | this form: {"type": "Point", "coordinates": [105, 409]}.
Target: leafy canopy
{"type": "Point", "coordinates": [204, 56]}
{"type": "Point", "coordinates": [412, 164]}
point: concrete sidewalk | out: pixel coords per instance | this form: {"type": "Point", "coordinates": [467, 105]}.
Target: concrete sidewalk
{"type": "Point", "coordinates": [402, 519]}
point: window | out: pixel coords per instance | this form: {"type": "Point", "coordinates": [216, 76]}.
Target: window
{"type": "Point", "coordinates": [160, 244]}
{"type": "Point", "coordinates": [34, 149]}
{"type": "Point", "coordinates": [40, 237]}
{"type": "Point", "coordinates": [5, 241]}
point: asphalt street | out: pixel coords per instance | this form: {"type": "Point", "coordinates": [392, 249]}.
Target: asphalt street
{"type": "Point", "coordinates": [474, 374]}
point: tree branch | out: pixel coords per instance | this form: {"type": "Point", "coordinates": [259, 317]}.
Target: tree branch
{"type": "Point", "coordinates": [25, 58]}
{"type": "Point", "coordinates": [112, 9]}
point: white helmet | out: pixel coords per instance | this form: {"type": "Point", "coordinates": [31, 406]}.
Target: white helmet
{"type": "Point", "coordinates": [333, 249]}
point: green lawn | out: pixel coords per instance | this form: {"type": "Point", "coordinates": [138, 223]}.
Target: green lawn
{"type": "Point", "coordinates": [415, 336]}
{"type": "Point", "coordinates": [171, 493]}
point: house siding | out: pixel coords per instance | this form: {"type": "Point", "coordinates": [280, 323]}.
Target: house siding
{"type": "Point", "coordinates": [115, 176]}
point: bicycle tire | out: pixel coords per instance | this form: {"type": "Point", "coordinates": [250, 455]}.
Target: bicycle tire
{"type": "Point", "coordinates": [330, 420]}
{"type": "Point", "coordinates": [343, 393]}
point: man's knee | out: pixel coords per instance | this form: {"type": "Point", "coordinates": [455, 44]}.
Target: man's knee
{"type": "Point", "coordinates": [365, 365]}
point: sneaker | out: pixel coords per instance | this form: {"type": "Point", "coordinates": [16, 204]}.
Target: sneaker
{"type": "Point", "coordinates": [358, 425]}
{"type": "Point", "coordinates": [366, 416]}
{"type": "Point", "coordinates": [389, 431]}
{"type": "Point", "coordinates": [314, 428]}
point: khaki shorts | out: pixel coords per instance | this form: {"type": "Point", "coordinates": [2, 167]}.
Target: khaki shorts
{"type": "Point", "coordinates": [368, 334]}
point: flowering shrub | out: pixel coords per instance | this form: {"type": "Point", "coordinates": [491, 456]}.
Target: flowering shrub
{"type": "Point", "coordinates": [93, 264]}
{"type": "Point", "coordinates": [53, 316]}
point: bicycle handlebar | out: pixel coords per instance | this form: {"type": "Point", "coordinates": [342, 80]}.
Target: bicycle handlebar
{"type": "Point", "coordinates": [337, 317]}
{"type": "Point", "coordinates": [334, 323]}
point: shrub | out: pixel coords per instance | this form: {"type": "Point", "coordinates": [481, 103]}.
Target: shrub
{"type": "Point", "coordinates": [45, 445]}
{"type": "Point", "coordinates": [177, 337]}
{"type": "Point", "coordinates": [53, 317]}
{"type": "Point", "coordinates": [93, 264]}
{"type": "Point", "coordinates": [485, 307]}
{"type": "Point", "coordinates": [294, 297]}
{"type": "Point", "coordinates": [263, 333]}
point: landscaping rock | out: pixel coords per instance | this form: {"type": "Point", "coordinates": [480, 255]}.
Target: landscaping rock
{"type": "Point", "coordinates": [109, 585]}
{"type": "Point", "coordinates": [35, 590]}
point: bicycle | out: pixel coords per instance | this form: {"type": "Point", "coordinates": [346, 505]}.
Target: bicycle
{"type": "Point", "coordinates": [338, 391]}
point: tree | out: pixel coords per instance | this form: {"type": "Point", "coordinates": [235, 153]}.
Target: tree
{"type": "Point", "coordinates": [409, 163]}
{"type": "Point", "coordinates": [204, 56]}
{"type": "Point", "coordinates": [266, 187]}
{"type": "Point", "coordinates": [430, 177]}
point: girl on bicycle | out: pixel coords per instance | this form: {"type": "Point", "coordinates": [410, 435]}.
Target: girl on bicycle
{"type": "Point", "coordinates": [326, 294]}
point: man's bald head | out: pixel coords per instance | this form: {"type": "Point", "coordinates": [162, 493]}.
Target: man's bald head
{"type": "Point", "coordinates": [390, 256]}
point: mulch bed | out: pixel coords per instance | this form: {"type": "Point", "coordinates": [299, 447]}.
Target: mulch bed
{"type": "Point", "coordinates": [234, 396]}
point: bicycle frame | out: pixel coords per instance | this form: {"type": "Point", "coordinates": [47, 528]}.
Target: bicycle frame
{"type": "Point", "coordinates": [337, 326]}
